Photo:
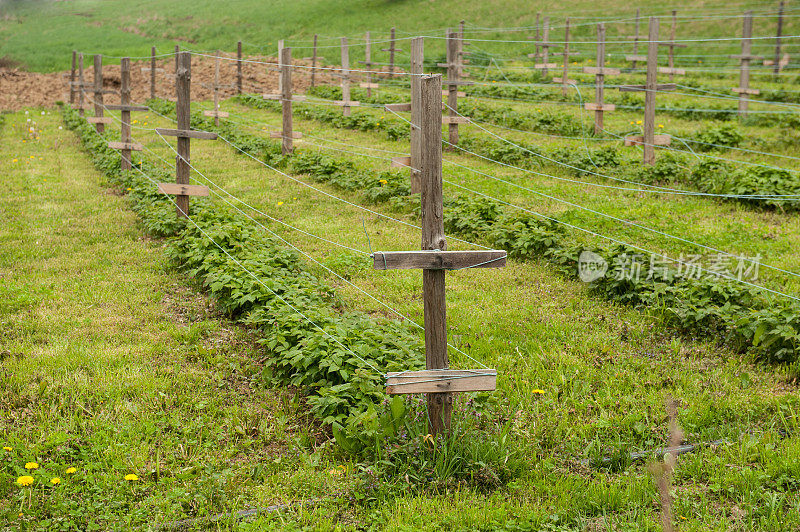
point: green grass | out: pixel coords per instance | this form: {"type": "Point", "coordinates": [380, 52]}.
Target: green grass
{"type": "Point", "coordinates": [42, 34]}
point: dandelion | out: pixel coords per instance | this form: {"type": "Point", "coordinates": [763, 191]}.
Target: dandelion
{"type": "Point", "coordinates": [131, 477]}
{"type": "Point", "coordinates": [537, 391]}
{"type": "Point", "coordinates": [280, 203]}
{"type": "Point", "coordinates": [382, 181]}
{"type": "Point", "coordinates": [25, 480]}
{"type": "Point", "coordinates": [70, 470]}
{"type": "Point", "coordinates": [8, 449]}
{"type": "Point", "coordinates": [638, 122]}
{"type": "Point", "coordinates": [14, 160]}
{"type": "Point", "coordinates": [55, 481]}
{"type": "Point", "coordinates": [661, 126]}
{"type": "Point", "coordinates": [31, 465]}
{"type": "Point", "coordinates": [129, 188]}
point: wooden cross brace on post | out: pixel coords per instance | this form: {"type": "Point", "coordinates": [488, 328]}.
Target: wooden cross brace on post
{"type": "Point", "coordinates": [453, 83]}
{"type": "Point", "coordinates": [438, 381]}
{"type": "Point", "coordinates": [183, 110]}
{"type": "Point", "coordinates": [367, 62]}
{"type": "Point", "coordinates": [649, 139]}
{"type": "Point", "coordinates": [671, 44]}
{"type": "Point", "coordinates": [536, 37]}
{"type": "Point", "coordinates": [392, 49]}
{"type": "Point", "coordinates": [545, 45]}
{"type": "Point", "coordinates": [635, 57]}
{"type": "Point", "coordinates": [152, 69]}
{"type": "Point", "coordinates": [600, 72]}
{"type": "Point", "coordinates": [413, 160]}
{"type": "Point", "coordinates": [216, 113]}
{"type": "Point", "coordinates": [98, 119]}
{"type": "Point", "coordinates": [286, 98]}
{"type": "Point", "coordinates": [744, 90]}
{"type": "Point", "coordinates": [346, 103]}
{"type": "Point", "coordinates": [126, 144]}
{"type": "Point", "coordinates": [564, 79]}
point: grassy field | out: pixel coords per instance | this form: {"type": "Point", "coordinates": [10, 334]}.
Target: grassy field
{"type": "Point", "coordinates": [150, 403]}
{"type": "Point", "coordinates": [41, 34]}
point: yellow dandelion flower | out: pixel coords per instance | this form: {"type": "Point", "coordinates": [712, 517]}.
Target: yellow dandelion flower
{"type": "Point", "coordinates": [129, 188]}
{"type": "Point", "coordinates": [131, 476]}
{"type": "Point", "coordinates": [537, 391]}
{"type": "Point", "coordinates": [25, 480]}
{"type": "Point", "coordinates": [638, 122]}
{"type": "Point", "coordinates": [31, 465]}
{"type": "Point", "coordinates": [661, 126]}
{"type": "Point", "coordinates": [7, 449]}
{"type": "Point", "coordinates": [382, 181]}
{"type": "Point", "coordinates": [631, 122]}
{"type": "Point", "coordinates": [55, 481]}
{"type": "Point", "coordinates": [280, 203]}
{"type": "Point", "coordinates": [14, 160]}
{"type": "Point", "coordinates": [70, 470]}
{"type": "Point", "coordinates": [33, 156]}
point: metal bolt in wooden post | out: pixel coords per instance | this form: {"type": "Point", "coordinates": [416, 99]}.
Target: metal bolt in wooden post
{"type": "Point", "coordinates": [440, 405]}
{"type": "Point", "coordinates": [72, 77]}
{"type": "Point", "coordinates": [417, 60]}
{"type": "Point", "coordinates": [777, 64]}
{"type": "Point", "coordinates": [345, 77]}
{"type": "Point", "coordinates": [98, 92]}
{"type": "Point", "coordinates": [183, 109]}
{"type": "Point", "coordinates": [286, 100]}
{"type": "Point", "coordinates": [239, 67]}
{"type": "Point", "coordinates": [651, 85]}
{"type": "Point", "coordinates": [81, 93]}
{"type": "Point", "coordinates": [125, 114]}
{"type": "Point", "coordinates": [314, 62]}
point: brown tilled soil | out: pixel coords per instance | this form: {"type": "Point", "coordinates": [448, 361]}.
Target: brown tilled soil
{"type": "Point", "coordinates": [19, 88]}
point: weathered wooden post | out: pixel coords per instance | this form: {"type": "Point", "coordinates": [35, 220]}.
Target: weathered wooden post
{"type": "Point", "coordinates": [239, 67]}
{"type": "Point", "coordinates": [564, 79]}
{"type": "Point", "coordinates": [635, 57]}
{"type": "Point", "coordinates": [81, 88]}
{"type": "Point", "coordinates": [314, 62]}
{"type": "Point", "coordinates": [545, 45]}
{"type": "Point", "coordinates": [216, 113]}
{"type": "Point", "coordinates": [98, 119]}
{"type": "Point", "coordinates": [177, 51]}
{"type": "Point", "coordinates": [649, 140]}
{"type": "Point", "coordinates": [777, 62]}
{"type": "Point", "coordinates": [345, 102]}
{"type": "Point", "coordinates": [126, 144]}
{"type": "Point", "coordinates": [537, 36]}
{"type": "Point", "coordinates": [437, 381]}
{"type": "Point", "coordinates": [413, 161]}
{"type": "Point", "coordinates": [183, 109]}
{"type": "Point", "coordinates": [72, 77]}
{"type": "Point", "coordinates": [368, 84]}
{"type": "Point", "coordinates": [152, 70]}
{"type": "Point", "coordinates": [392, 49]}
{"type": "Point", "coordinates": [671, 44]}
{"type": "Point", "coordinates": [600, 72]}
{"type": "Point", "coordinates": [744, 90]}
{"type": "Point", "coordinates": [286, 134]}
{"type": "Point", "coordinates": [453, 83]}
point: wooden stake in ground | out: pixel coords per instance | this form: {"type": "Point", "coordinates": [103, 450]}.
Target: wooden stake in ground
{"type": "Point", "coordinates": [635, 57]}
{"type": "Point", "coordinates": [183, 109]}
{"type": "Point", "coordinates": [98, 119]}
{"type": "Point", "coordinates": [392, 49]}
{"type": "Point", "coordinates": [152, 70]}
{"type": "Point", "coordinates": [649, 140]}
{"type": "Point", "coordinates": [413, 161]}
{"type": "Point", "coordinates": [744, 90]}
{"type": "Point", "coordinates": [72, 77]}
{"type": "Point", "coordinates": [126, 144]}
{"type": "Point", "coordinates": [545, 45]}
{"type": "Point", "coordinates": [536, 37]}
{"type": "Point", "coordinates": [216, 113]}
{"type": "Point", "coordinates": [81, 89]}
{"type": "Point", "coordinates": [671, 44]}
{"type": "Point", "coordinates": [239, 67]}
{"type": "Point", "coordinates": [345, 102]}
{"type": "Point", "coordinates": [314, 62]}
{"type": "Point", "coordinates": [286, 98]}
{"type": "Point", "coordinates": [779, 62]}
{"type": "Point", "coordinates": [453, 83]}
{"type": "Point", "coordinates": [564, 79]}
{"type": "Point", "coordinates": [600, 72]}
{"type": "Point", "coordinates": [437, 381]}
{"type": "Point", "coordinates": [367, 83]}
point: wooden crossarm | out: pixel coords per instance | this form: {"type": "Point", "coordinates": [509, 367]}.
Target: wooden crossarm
{"type": "Point", "coordinates": [99, 119]}
{"type": "Point", "coordinates": [187, 133]}
{"type": "Point", "coordinates": [365, 85]}
{"type": "Point", "coordinates": [602, 71]}
{"type": "Point", "coordinates": [278, 97]}
{"type": "Point", "coordinates": [456, 83]}
{"type": "Point", "coordinates": [441, 380]}
{"type": "Point", "coordinates": [592, 106]}
{"type": "Point", "coordinates": [116, 107]}
{"type": "Point", "coordinates": [658, 140]}
{"type": "Point", "coordinates": [747, 56]}
{"type": "Point", "coordinates": [740, 90]}
{"type": "Point", "coordinates": [455, 120]}
{"type": "Point", "coordinates": [177, 189]}
{"type": "Point", "coordinates": [398, 107]}
{"type": "Point", "coordinates": [438, 260]}
{"type": "Point", "coordinates": [134, 146]}
{"type": "Point", "coordinates": [391, 49]}
{"type": "Point", "coordinates": [672, 71]}
{"type": "Point", "coordinates": [279, 135]}
{"type": "Point", "coordinates": [638, 58]}
{"type": "Point", "coordinates": [561, 80]}
{"type": "Point", "coordinates": [348, 103]}
{"type": "Point", "coordinates": [217, 114]}
{"type": "Point", "coordinates": [458, 93]}
{"type": "Point", "coordinates": [639, 88]}
{"type": "Point", "coordinates": [545, 65]}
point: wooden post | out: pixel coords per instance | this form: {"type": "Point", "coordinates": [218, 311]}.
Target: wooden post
{"type": "Point", "coordinates": [314, 62]}
{"type": "Point", "coordinates": [177, 51]}
{"type": "Point", "coordinates": [545, 45]}
{"type": "Point", "coordinates": [671, 44]}
{"type": "Point", "coordinates": [239, 67]}
{"type": "Point", "coordinates": [650, 93]}
{"type": "Point", "coordinates": [452, 93]}
{"type": "Point", "coordinates": [537, 36]}
{"type": "Point", "coordinates": [564, 79]}
{"type": "Point", "coordinates": [216, 89]}
{"type": "Point", "coordinates": [286, 101]}
{"type": "Point", "coordinates": [600, 72]}
{"type": "Point", "coordinates": [81, 88]}
{"type": "Point", "coordinates": [777, 67]}
{"type": "Point", "coordinates": [345, 78]}
{"type": "Point", "coordinates": [153, 73]}
{"type": "Point", "coordinates": [72, 78]}
{"type": "Point", "coordinates": [417, 61]}
{"type": "Point", "coordinates": [367, 62]}
{"type": "Point", "coordinates": [635, 55]}
{"type": "Point", "coordinates": [125, 114]}
{"type": "Point", "coordinates": [437, 381]}
{"type": "Point", "coordinates": [744, 90]}
{"type": "Point", "coordinates": [183, 111]}
{"type": "Point", "coordinates": [391, 53]}
{"type": "Point", "coordinates": [99, 126]}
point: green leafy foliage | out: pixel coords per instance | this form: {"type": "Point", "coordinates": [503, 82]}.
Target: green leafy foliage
{"type": "Point", "coordinates": [717, 137]}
